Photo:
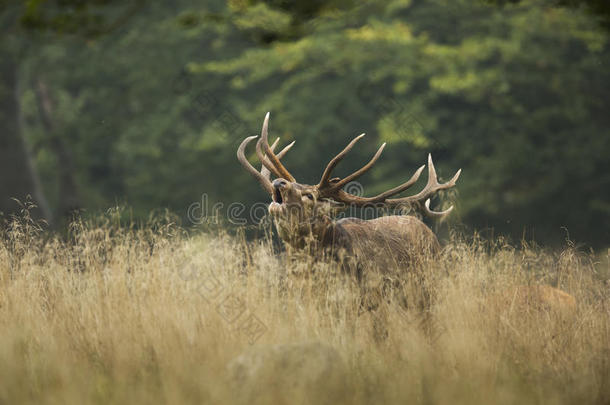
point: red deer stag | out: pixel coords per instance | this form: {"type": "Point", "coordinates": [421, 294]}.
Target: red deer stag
{"type": "Point", "coordinates": [303, 213]}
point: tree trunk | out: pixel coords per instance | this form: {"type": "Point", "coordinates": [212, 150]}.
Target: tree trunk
{"type": "Point", "coordinates": [18, 176]}
{"type": "Point", "coordinates": [68, 192]}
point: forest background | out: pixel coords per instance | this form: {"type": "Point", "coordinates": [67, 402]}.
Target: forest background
{"type": "Point", "coordinates": [143, 104]}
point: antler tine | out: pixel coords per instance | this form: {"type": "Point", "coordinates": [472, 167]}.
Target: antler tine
{"type": "Point", "coordinates": [266, 164]}
{"type": "Point", "coordinates": [334, 161]}
{"type": "Point", "coordinates": [431, 187]}
{"type": "Point", "coordinates": [348, 198]}
{"type": "Point", "coordinates": [274, 144]}
{"type": "Point", "coordinates": [285, 150]}
{"type": "Point", "coordinates": [403, 186]}
{"type": "Point", "coordinates": [244, 162]}
{"type": "Point", "coordinates": [361, 171]}
{"type": "Point", "coordinates": [272, 157]}
{"type": "Point", "coordinates": [264, 171]}
{"type": "Point", "coordinates": [435, 214]}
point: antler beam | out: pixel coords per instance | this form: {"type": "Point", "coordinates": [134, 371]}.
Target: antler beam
{"type": "Point", "coordinates": [332, 189]}
{"type": "Point", "coordinates": [265, 162]}
{"type": "Point", "coordinates": [431, 187]}
{"type": "Point", "coordinates": [280, 170]}
{"type": "Point", "coordinates": [263, 180]}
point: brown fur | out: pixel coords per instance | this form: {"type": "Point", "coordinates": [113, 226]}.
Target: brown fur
{"type": "Point", "coordinates": [386, 241]}
{"type": "Point", "coordinates": [383, 243]}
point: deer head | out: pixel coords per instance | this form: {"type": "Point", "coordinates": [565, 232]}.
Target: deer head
{"type": "Point", "coordinates": [310, 207]}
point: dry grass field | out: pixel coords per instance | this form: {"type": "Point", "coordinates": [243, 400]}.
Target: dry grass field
{"type": "Point", "coordinates": [115, 315]}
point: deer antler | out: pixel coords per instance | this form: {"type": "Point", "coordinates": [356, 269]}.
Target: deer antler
{"type": "Point", "coordinates": [276, 166]}
{"type": "Point", "coordinates": [332, 189]}
{"type": "Point", "coordinates": [431, 187]}
{"type": "Point", "coordinates": [262, 179]}
{"type": "Point", "coordinates": [265, 162]}
{"type": "Point", "coordinates": [324, 181]}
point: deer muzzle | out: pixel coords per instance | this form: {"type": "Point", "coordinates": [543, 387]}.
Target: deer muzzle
{"type": "Point", "coordinates": [277, 207]}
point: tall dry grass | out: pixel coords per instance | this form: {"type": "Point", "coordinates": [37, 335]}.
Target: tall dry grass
{"type": "Point", "coordinates": [113, 314]}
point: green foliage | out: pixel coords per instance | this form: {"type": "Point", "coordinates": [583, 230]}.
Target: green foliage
{"type": "Point", "coordinates": [154, 107]}
{"type": "Point", "coordinates": [514, 95]}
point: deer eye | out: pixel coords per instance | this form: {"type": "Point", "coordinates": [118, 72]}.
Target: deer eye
{"type": "Point", "coordinates": [310, 196]}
